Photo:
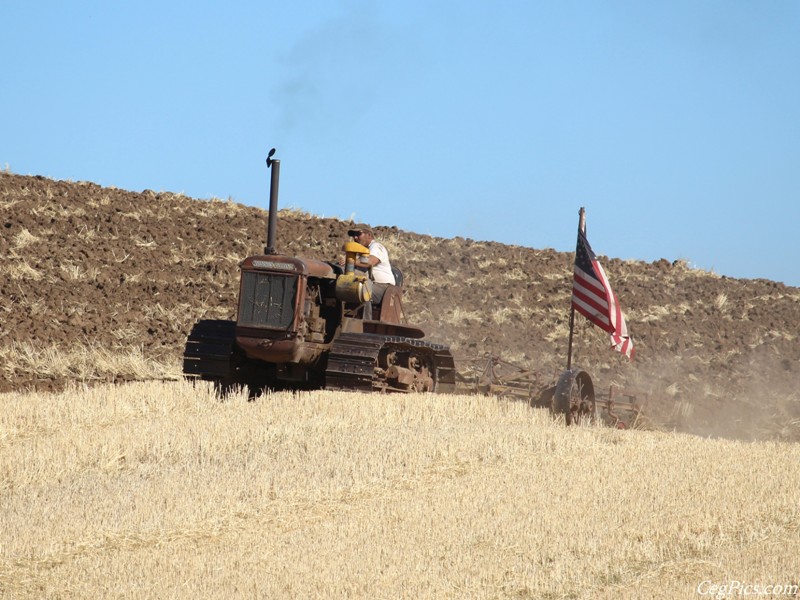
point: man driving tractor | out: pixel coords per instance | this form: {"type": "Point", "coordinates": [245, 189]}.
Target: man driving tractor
{"type": "Point", "coordinates": [377, 263]}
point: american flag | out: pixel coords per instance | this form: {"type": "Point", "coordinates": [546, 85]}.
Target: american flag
{"type": "Point", "coordinates": [593, 297]}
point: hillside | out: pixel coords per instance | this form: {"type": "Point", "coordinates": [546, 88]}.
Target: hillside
{"type": "Point", "coordinates": [102, 284]}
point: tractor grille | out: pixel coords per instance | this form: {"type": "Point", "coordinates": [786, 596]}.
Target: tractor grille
{"type": "Point", "coordinates": [267, 300]}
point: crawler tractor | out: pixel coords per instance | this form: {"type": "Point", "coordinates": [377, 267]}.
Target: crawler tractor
{"type": "Point", "coordinates": [301, 325]}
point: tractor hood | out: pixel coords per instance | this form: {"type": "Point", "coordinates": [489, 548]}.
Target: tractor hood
{"type": "Point", "coordinates": [289, 264]}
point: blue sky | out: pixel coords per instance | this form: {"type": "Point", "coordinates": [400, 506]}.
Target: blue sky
{"type": "Point", "coordinates": [676, 124]}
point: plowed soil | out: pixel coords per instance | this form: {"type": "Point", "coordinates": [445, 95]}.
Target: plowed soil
{"type": "Point", "coordinates": [87, 268]}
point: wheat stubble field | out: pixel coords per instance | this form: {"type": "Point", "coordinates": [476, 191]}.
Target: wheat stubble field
{"type": "Point", "coordinates": [149, 490]}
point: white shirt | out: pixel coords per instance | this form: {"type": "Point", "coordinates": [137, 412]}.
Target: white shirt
{"type": "Point", "coordinates": [382, 272]}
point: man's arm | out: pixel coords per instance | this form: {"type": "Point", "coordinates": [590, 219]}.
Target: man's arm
{"type": "Point", "coordinates": [368, 261]}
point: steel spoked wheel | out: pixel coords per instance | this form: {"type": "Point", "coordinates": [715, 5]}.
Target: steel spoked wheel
{"type": "Point", "coordinates": [574, 397]}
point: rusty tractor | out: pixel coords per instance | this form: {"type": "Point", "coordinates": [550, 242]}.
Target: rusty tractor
{"type": "Point", "coordinates": [303, 324]}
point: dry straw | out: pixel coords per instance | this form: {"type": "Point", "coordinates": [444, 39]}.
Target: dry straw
{"type": "Point", "coordinates": [162, 490]}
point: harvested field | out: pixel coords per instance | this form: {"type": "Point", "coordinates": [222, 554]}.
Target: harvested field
{"type": "Point", "coordinates": [160, 490]}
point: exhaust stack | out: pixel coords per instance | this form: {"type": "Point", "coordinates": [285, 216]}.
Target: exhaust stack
{"type": "Point", "coordinates": [275, 165]}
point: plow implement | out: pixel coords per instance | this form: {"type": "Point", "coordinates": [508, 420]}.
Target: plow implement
{"type": "Point", "coordinates": [571, 393]}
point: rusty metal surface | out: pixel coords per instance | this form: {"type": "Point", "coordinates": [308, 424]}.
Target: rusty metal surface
{"type": "Point", "coordinates": [622, 408]}
{"type": "Point", "coordinates": [289, 264]}
{"type": "Point", "coordinates": [490, 374]}
{"type": "Point", "coordinates": [284, 349]}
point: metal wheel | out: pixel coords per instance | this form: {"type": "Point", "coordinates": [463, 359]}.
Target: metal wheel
{"type": "Point", "coordinates": [574, 397]}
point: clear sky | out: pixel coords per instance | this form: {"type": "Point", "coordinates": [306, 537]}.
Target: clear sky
{"type": "Point", "coordinates": [676, 124]}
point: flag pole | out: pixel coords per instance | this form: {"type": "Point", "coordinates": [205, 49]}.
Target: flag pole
{"type": "Point", "coordinates": [582, 228]}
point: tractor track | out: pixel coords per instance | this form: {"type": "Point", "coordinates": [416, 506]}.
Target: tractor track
{"type": "Point", "coordinates": [353, 361]}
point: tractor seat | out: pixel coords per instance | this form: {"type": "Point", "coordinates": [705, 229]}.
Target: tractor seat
{"type": "Point", "coordinates": [398, 277]}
